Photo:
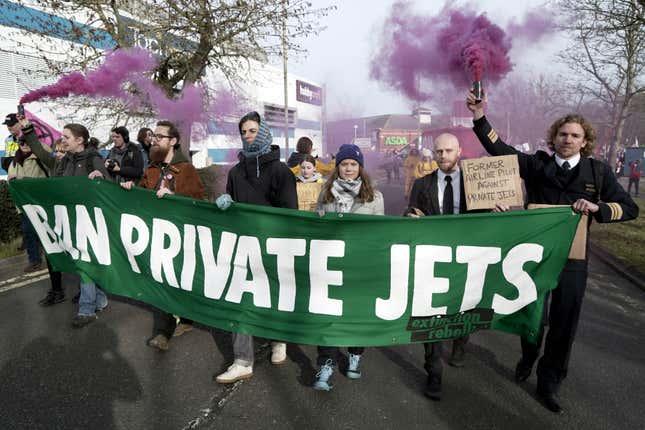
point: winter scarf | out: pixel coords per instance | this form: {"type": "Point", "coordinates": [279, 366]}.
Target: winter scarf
{"type": "Point", "coordinates": [314, 178]}
{"type": "Point", "coordinates": [260, 146]}
{"type": "Point", "coordinates": [345, 190]}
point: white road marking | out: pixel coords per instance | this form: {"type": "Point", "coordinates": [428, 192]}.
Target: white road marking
{"type": "Point", "coordinates": [23, 276]}
{"type": "Point", "coordinates": [23, 283]}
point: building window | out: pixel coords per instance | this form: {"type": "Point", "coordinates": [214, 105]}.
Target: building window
{"type": "Point", "coordinates": [274, 115]}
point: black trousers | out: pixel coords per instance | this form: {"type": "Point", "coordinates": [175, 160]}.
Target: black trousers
{"type": "Point", "coordinates": [564, 314]}
{"type": "Point", "coordinates": [165, 323]}
{"type": "Point", "coordinates": [434, 352]}
{"type": "Point", "coordinates": [56, 278]}
{"type": "Point", "coordinates": [331, 353]}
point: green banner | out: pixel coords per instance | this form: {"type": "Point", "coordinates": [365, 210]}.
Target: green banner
{"type": "Point", "coordinates": [337, 279]}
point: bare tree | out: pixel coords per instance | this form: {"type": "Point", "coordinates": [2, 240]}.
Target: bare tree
{"type": "Point", "coordinates": [186, 35]}
{"type": "Point", "coordinates": [609, 51]}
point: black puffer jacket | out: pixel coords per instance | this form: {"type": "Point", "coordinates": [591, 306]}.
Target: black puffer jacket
{"type": "Point", "coordinates": [275, 186]}
{"type": "Point", "coordinates": [72, 164]}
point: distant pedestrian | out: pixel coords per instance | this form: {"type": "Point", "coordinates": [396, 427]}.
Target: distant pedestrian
{"type": "Point", "coordinates": [427, 165]}
{"type": "Point", "coordinates": [635, 172]}
{"type": "Point", "coordinates": [410, 165]}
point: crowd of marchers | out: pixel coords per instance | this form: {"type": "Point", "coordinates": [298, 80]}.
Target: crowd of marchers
{"type": "Point", "coordinates": [433, 186]}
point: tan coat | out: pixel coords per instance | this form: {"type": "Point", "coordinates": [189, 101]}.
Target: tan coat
{"type": "Point", "coordinates": [308, 193]}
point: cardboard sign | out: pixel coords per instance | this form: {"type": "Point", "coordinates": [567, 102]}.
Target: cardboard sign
{"type": "Point", "coordinates": [578, 249]}
{"type": "Point", "coordinates": [492, 180]}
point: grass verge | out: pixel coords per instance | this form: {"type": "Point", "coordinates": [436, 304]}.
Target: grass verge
{"type": "Point", "coordinates": [625, 240]}
{"type": "Point", "coordinates": [10, 249]}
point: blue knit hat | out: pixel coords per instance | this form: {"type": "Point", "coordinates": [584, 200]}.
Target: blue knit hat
{"type": "Point", "coordinates": [350, 151]}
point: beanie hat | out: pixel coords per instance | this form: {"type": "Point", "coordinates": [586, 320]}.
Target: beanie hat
{"type": "Point", "coordinates": [349, 151]}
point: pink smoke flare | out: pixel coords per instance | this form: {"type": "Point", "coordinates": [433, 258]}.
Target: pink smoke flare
{"type": "Point", "coordinates": [455, 47]}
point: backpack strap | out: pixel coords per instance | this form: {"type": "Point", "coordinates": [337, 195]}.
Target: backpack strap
{"type": "Point", "coordinates": [598, 176]}
{"type": "Point", "coordinates": [42, 167]}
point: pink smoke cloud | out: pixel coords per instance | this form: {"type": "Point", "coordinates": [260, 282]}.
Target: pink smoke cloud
{"type": "Point", "coordinates": [455, 47]}
{"type": "Point", "coordinates": [106, 81]}
{"type": "Point", "coordinates": [123, 69]}
{"type": "Point", "coordinates": [535, 26]}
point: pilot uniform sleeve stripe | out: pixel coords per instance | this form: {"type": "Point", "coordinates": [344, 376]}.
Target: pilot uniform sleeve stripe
{"type": "Point", "coordinates": [613, 211]}
{"type": "Point", "coordinates": [492, 135]}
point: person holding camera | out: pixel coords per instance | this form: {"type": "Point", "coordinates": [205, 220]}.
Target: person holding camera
{"type": "Point", "coordinates": [79, 160]}
{"type": "Point", "coordinates": [124, 162]}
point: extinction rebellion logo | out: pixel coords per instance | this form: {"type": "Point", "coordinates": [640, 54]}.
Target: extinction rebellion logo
{"type": "Point", "coordinates": [443, 327]}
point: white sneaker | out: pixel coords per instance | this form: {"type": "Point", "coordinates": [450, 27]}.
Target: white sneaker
{"type": "Point", "coordinates": [234, 373]}
{"type": "Point", "coordinates": [278, 352]}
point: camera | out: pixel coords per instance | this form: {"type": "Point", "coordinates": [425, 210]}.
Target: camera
{"type": "Point", "coordinates": [111, 164]}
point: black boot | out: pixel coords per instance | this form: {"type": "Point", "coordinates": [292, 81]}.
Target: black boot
{"type": "Point", "coordinates": [522, 371]}
{"type": "Point", "coordinates": [433, 387]}
{"type": "Point", "coordinates": [53, 297]}
{"type": "Point", "coordinates": [549, 400]}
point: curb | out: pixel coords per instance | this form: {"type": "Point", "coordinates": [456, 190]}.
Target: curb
{"type": "Point", "coordinates": [630, 273]}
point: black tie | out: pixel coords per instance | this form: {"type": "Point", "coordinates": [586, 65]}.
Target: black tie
{"type": "Point", "coordinates": [566, 166]}
{"type": "Point", "coordinates": [448, 201]}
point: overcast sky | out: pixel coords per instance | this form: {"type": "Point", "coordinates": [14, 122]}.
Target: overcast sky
{"type": "Point", "coordinates": [339, 56]}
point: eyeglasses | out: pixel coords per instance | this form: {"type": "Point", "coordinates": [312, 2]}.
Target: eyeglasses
{"type": "Point", "coordinates": [161, 136]}
{"type": "Point", "coordinates": [23, 144]}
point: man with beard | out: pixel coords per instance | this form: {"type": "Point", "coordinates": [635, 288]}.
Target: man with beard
{"type": "Point", "coordinates": [169, 172]}
{"type": "Point", "coordinates": [440, 193]}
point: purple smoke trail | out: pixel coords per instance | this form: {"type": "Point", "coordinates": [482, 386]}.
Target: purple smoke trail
{"type": "Point", "coordinates": [454, 47]}
{"type": "Point", "coordinates": [534, 27]}
{"type": "Point", "coordinates": [106, 81]}
{"type": "Point", "coordinates": [133, 66]}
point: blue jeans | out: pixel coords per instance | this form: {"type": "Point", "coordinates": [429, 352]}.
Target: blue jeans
{"type": "Point", "coordinates": [91, 299]}
{"type": "Point", "coordinates": [32, 244]}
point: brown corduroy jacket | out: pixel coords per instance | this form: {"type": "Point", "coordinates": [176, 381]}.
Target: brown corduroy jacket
{"type": "Point", "coordinates": [179, 176]}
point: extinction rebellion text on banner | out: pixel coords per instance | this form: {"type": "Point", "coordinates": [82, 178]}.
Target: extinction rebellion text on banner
{"type": "Point", "coordinates": [296, 276]}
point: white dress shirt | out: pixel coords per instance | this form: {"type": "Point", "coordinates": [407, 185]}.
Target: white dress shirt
{"type": "Point", "coordinates": [573, 161]}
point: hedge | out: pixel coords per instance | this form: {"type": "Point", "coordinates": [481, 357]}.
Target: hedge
{"type": "Point", "coordinates": [9, 217]}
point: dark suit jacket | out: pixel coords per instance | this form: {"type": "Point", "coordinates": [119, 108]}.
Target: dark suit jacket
{"type": "Point", "coordinates": [424, 195]}
{"type": "Point", "coordinates": [543, 185]}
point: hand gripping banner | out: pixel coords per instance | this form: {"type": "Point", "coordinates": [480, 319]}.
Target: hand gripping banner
{"type": "Point", "coordinates": [337, 279]}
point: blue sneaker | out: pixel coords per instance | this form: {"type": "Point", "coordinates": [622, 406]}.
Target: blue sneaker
{"type": "Point", "coordinates": [354, 370]}
{"type": "Point", "coordinates": [323, 376]}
